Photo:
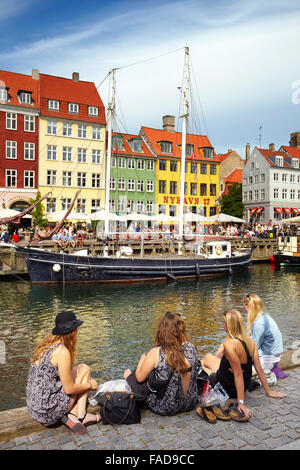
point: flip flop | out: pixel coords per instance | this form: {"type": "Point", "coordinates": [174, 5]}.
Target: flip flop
{"type": "Point", "coordinates": [77, 428]}
{"type": "Point", "coordinates": [221, 413]}
{"type": "Point", "coordinates": [236, 414]}
{"type": "Point", "coordinates": [206, 413]}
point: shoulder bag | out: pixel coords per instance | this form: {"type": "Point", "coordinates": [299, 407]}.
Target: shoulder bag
{"type": "Point", "coordinates": [120, 407]}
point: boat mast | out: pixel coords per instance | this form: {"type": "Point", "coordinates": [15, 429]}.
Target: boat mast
{"type": "Point", "coordinates": [185, 115]}
{"type": "Point", "coordinates": [110, 113]}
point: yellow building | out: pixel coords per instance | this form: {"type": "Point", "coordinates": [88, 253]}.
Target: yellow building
{"type": "Point", "coordinates": [201, 171]}
{"type": "Point", "coordinates": [71, 145]}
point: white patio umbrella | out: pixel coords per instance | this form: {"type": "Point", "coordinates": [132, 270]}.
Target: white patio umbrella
{"type": "Point", "coordinates": [101, 215]}
{"type": "Point", "coordinates": [224, 218]}
{"type": "Point", "coordinates": [191, 217]}
{"type": "Point", "coordinates": [291, 220]}
{"type": "Point", "coordinates": [165, 218]}
{"type": "Point", "coordinates": [72, 216]}
{"type": "Point", "coordinates": [137, 217]}
{"type": "Point", "coordinates": [11, 213]}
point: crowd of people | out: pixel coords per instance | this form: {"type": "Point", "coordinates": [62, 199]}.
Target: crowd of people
{"type": "Point", "coordinates": [167, 375]}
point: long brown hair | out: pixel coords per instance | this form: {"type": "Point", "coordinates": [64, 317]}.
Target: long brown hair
{"type": "Point", "coordinates": [69, 340]}
{"type": "Point", "coordinates": [236, 328]}
{"type": "Point", "coordinates": [170, 336]}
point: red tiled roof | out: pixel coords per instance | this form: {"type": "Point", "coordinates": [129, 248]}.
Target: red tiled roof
{"type": "Point", "coordinates": [292, 151]}
{"type": "Point", "coordinates": [66, 90]}
{"type": "Point", "coordinates": [223, 156]}
{"type": "Point", "coordinates": [15, 82]}
{"type": "Point", "coordinates": [266, 153]}
{"type": "Point", "coordinates": [157, 135]}
{"type": "Point", "coordinates": [127, 150]}
{"type": "Point", "coordinates": [235, 177]}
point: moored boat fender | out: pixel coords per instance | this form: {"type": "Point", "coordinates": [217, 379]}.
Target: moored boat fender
{"type": "Point", "coordinates": [197, 267]}
{"type": "Point", "coordinates": [56, 268]}
{"type": "Point", "coordinates": [172, 277]}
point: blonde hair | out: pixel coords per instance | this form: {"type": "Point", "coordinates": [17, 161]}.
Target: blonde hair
{"type": "Point", "coordinates": [236, 328]}
{"type": "Point", "coordinates": [255, 308]}
{"type": "Point", "coordinates": [69, 340]}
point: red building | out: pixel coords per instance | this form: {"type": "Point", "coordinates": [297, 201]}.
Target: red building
{"type": "Point", "coordinates": [19, 130]}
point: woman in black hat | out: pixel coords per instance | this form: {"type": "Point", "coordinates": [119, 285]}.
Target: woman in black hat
{"type": "Point", "coordinates": [56, 390]}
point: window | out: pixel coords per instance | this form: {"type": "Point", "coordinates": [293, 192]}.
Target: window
{"type": "Point", "coordinates": [131, 185]}
{"type": "Point", "coordinates": [29, 151]}
{"type": "Point", "coordinates": [189, 150]}
{"type": "Point", "coordinates": [113, 162]}
{"type": "Point", "coordinates": [185, 188]}
{"type": "Point", "coordinates": [51, 152]}
{"type": "Point", "coordinates": [256, 194]}
{"type": "Point", "coordinates": [162, 165]}
{"type": "Point", "coordinates": [213, 169]}
{"type": "Point", "coordinates": [295, 161]}
{"type": "Point", "coordinates": [121, 205]}
{"type": "Point", "coordinates": [3, 94]}
{"type": "Point", "coordinates": [149, 206]}
{"type": "Point", "coordinates": [51, 177]}
{"type": "Point", "coordinates": [250, 180]}
{"type": "Point", "coordinates": [96, 133]}
{"type": "Point", "coordinates": [140, 206]}
{"type": "Point", "coordinates": [51, 204]}
{"type": "Point", "coordinates": [140, 185]}
{"type": "Point", "coordinates": [173, 166]}
{"type": "Point", "coordinates": [262, 194]}
{"type": "Point", "coordinates": [173, 187]}
{"type": "Point", "coordinates": [11, 149]}
{"type": "Point", "coordinates": [65, 203]}
{"type": "Point", "coordinates": [150, 165]}
{"type": "Point", "coordinates": [11, 121]}
{"type": "Point", "coordinates": [131, 163]}
{"type": "Point", "coordinates": [194, 168]}
{"type": "Point", "coordinates": [52, 127]}
{"type": "Point", "coordinates": [166, 147]}
{"type": "Point", "coordinates": [67, 154]}
{"type": "Point", "coordinates": [130, 206]}
{"type": "Point", "coordinates": [81, 155]}
{"type": "Point", "coordinates": [121, 184]}
{"type": "Point", "coordinates": [11, 178]}
{"type": "Point", "coordinates": [29, 177]}
{"type": "Point", "coordinates": [292, 194]}
{"type": "Point", "coordinates": [276, 176]}
{"type": "Point", "coordinates": [136, 145]}
{"type": "Point", "coordinates": [284, 177]}
{"type": "Point", "coordinates": [203, 189]}
{"type": "Point", "coordinates": [203, 168]}
{"type": "Point", "coordinates": [298, 193]}
{"type": "Point", "coordinates": [29, 123]}
{"type": "Point", "coordinates": [93, 111]}
{"type": "Point", "coordinates": [262, 178]}
{"type": "Point", "coordinates": [95, 206]}
{"type": "Point", "coordinates": [118, 142]}
{"type": "Point", "coordinates": [150, 186]}
{"type": "Point", "coordinates": [140, 164]}
{"type": "Point", "coordinates": [245, 196]}
{"type": "Point", "coordinates": [81, 206]}
{"type": "Point", "coordinates": [81, 179]}
{"type": "Point", "coordinates": [213, 211]}
{"type": "Point", "coordinates": [194, 189]}
{"type": "Point", "coordinates": [213, 190]}
{"type": "Point", "coordinates": [67, 178]}
{"type": "Point", "coordinates": [73, 108]}
{"type": "Point", "coordinates": [67, 129]}
{"type": "Point", "coordinates": [96, 180]}
{"type": "Point", "coordinates": [279, 160]}
{"type": "Point", "coordinates": [81, 131]}
{"type": "Point", "coordinates": [284, 193]}
{"type": "Point", "coordinates": [255, 179]}
{"type": "Point", "coordinates": [121, 162]}
{"type": "Point", "coordinates": [162, 209]}
{"type": "Point", "coordinates": [292, 178]}
{"type": "Point", "coordinates": [172, 211]}
{"type": "Point", "coordinates": [276, 193]}
{"type": "Point", "coordinates": [250, 195]}
{"type": "Point", "coordinates": [53, 105]}
{"type": "Point", "coordinates": [96, 156]}
{"type": "Point", "coordinates": [252, 166]}
{"type": "Point", "coordinates": [186, 169]}
{"type": "Point", "coordinates": [112, 184]}
{"type": "Point", "coordinates": [25, 98]}
{"type": "Point", "coordinates": [112, 205]}
{"type": "Point", "coordinates": [162, 186]}
{"type": "Point", "coordinates": [208, 152]}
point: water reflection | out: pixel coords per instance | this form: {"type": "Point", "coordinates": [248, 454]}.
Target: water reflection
{"type": "Point", "coordinates": [120, 321]}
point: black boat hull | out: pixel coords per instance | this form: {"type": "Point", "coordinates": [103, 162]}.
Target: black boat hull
{"type": "Point", "coordinates": [45, 267]}
{"type": "Point", "coordinates": [287, 260]}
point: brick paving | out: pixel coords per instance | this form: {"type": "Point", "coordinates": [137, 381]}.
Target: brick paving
{"type": "Point", "coordinates": [275, 425]}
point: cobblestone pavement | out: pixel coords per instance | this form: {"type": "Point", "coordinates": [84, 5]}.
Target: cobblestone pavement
{"type": "Point", "coordinates": [275, 424]}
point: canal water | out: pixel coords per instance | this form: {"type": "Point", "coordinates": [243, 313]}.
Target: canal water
{"type": "Point", "coordinates": [120, 321]}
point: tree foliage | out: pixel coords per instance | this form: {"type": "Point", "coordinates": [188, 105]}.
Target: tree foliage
{"type": "Point", "coordinates": [38, 212]}
{"type": "Point", "coordinates": [232, 202]}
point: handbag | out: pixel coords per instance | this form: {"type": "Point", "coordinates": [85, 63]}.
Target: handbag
{"type": "Point", "coordinates": [120, 407]}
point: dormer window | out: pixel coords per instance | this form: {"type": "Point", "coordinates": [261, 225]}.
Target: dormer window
{"type": "Point", "coordinates": [3, 94]}
{"type": "Point", "coordinates": [136, 145]}
{"type": "Point", "coordinates": [189, 149]}
{"type": "Point", "coordinates": [93, 111]}
{"type": "Point", "coordinates": [295, 163]}
{"type": "Point", "coordinates": [118, 142]}
{"type": "Point", "coordinates": [53, 105]}
{"type": "Point", "coordinates": [166, 147]}
{"type": "Point", "coordinates": [25, 97]}
{"type": "Point", "coordinates": [279, 160]}
{"type": "Point", "coordinates": [73, 108]}
{"type": "Point", "coordinates": [208, 152]}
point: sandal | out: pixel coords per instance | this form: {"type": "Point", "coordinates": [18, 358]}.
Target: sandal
{"type": "Point", "coordinates": [77, 428]}
{"type": "Point", "coordinates": [206, 413]}
{"type": "Point", "coordinates": [221, 413]}
{"type": "Point", "coordinates": [91, 421]}
{"type": "Point", "coordinates": [236, 414]}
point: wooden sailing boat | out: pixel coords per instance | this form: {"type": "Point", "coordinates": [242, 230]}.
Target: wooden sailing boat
{"type": "Point", "coordinates": [217, 258]}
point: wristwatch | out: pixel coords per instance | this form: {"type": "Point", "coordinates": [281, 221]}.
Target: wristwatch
{"type": "Point", "coordinates": [241, 402]}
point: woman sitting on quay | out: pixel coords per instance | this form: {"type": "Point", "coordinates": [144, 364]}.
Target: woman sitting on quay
{"type": "Point", "coordinates": [167, 375]}
{"type": "Point", "coordinates": [56, 390]}
{"type": "Point", "coordinates": [266, 334]}
{"type": "Point", "coordinates": [231, 366]}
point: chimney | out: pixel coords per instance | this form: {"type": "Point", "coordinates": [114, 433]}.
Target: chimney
{"type": "Point", "coordinates": [35, 74]}
{"type": "Point", "coordinates": [169, 123]}
{"type": "Point", "coordinates": [272, 147]}
{"type": "Point", "coordinates": [247, 151]}
{"type": "Point", "coordinates": [75, 77]}
{"type": "Point", "coordinates": [295, 140]}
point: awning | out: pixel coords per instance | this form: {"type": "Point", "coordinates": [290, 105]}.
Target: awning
{"type": "Point", "coordinates": [253, 210]}
{"type": "Point", "coordinates": [259, 210]}
{"type": "Point", "coordinates": [278, 210]}
{"type": "Point", "coordinates": [287, 210]}
{"type": "Point", "coordinates": [294, 209]}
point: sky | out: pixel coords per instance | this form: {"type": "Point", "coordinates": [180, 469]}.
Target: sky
{"type": "Point", "coordinates": [244, 57]}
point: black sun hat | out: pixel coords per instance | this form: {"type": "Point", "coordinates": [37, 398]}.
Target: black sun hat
{"type": "Point", "coordinates": [65, 322]}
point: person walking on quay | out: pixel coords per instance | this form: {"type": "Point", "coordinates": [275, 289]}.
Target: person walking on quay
{"type": "Point", "coordinates": [232, 364]}
{"type": "Point", "coordinates": [266, 334]}
{"type": "Point", "coordinates": [168, 373]}
{"type": "Point", "coordinates": [56, 390]}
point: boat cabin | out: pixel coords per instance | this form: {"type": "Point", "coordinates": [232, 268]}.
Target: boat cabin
{"type": "Point", "coordinates": [216, 249]}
